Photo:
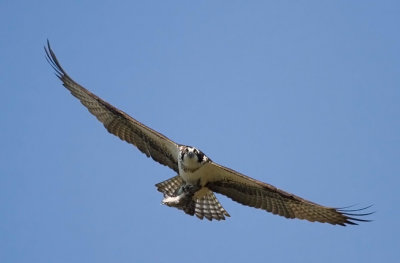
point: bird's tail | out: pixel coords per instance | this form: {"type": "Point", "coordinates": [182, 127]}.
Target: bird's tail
{"type": "Point", "coordinates": [201, 203]}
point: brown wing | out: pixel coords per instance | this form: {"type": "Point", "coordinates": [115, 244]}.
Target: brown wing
{"type": "Point", "coordinates": [117, 122]}
{"type": "Point", "coordinates": [251, 192]}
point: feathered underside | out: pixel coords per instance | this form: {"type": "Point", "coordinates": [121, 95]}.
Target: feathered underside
{"type": "Point", "coordinates": [117, 122]}
{"type": "Point", "coordinates": [205, 205]}
{"type": "Point", "coordinates": [278, 203]}
{"type": "Point", "coordinates": [287, 205]}
{"type": "Point", "coordinates": [219, 179]}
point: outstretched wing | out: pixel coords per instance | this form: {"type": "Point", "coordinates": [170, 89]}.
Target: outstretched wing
{"type": "Point", "coordinates": [250, 192]}
{"type": "Point", "coordinates": [117, 122]}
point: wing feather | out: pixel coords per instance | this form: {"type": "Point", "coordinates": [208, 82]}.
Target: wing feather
{"type": "Point", "coordinates": [117, 122]}
{"type": "Point", "coordinates": [250, 192]}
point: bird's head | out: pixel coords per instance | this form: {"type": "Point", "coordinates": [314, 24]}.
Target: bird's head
{"type": "Point", "coordinates": [192, 158]}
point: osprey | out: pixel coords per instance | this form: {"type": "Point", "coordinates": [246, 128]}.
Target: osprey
{"type": "Point", "coordinates": [198, 177]}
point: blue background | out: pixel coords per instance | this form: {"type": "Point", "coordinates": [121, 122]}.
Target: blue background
{"type": "Point", "coordinates": [303, 95]}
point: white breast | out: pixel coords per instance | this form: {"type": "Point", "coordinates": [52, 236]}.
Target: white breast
{"type": "Point", "coordinates": [191, 177]}
{"type": "Point", "coordinates": [192, 171]}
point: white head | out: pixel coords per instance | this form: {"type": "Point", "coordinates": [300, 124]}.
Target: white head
{"type": "Point", "coordinates": [191, 158]}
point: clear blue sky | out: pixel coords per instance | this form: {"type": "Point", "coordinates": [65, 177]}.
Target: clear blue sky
{"type": "Point", "coordinates": [303, 95]}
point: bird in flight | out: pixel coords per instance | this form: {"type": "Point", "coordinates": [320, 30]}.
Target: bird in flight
{"type": "Point", "coordinates": [198, 177]}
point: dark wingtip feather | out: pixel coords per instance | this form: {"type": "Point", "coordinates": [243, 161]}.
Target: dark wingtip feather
{"type": "Point", "coordinates": [352, 216]}
{"type": "Point", "coordinates": [53, 61]}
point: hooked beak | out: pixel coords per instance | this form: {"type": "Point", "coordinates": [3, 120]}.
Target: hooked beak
{"type": "Point", "coordinates": [190, 155]}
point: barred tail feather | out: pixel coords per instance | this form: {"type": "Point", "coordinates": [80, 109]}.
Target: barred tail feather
{"type": "Point", "coordinates": [170, 187]}
{"type": "Point", "coordinates": [209, 207]}
{"type": "Point", "coordinates": [201, 203]}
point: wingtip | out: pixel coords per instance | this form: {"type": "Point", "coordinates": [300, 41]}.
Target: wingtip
{"type": "Point", "coordinates": [352, 216]}
{"type": "Point", "coordinates": [53, 61]}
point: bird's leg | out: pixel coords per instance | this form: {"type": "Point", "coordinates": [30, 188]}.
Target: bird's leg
{"type": "Point", "coordinates": [189, 188]}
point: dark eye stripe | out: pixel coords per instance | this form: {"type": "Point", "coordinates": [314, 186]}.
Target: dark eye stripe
{"type": "Point", "coordinates": [200, 156]}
